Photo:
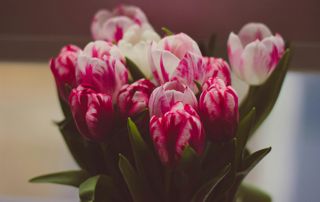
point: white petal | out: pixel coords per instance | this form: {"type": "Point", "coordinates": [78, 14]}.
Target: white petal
{"type": "Point", "coordinates": [252, 31]}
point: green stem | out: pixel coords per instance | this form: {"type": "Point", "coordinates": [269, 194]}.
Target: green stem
{"type": "Point", "coordinates": [168, 182]}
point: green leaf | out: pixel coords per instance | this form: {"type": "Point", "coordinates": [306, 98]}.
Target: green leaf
{"type": "Point", "coordinates": [251, 161]}
{"type": "Point", "coordinates": [100, 188]}
{"type": "Point", "coordinates": [145, 161]}
{"type": "Point", "coordinates": [134, 70]}
{"type": "Point", "coordinates": [211, 45]}
{"type": "Point", "coordinates": [167, 31]}
{"type": "Point", "coordinates": [87, 154]}
{"type": "Point", "coordinates": [71, 178]}
{"type": "Point", "coordinates": [207, 189]}
{"type": "Point", "coordinates": [188, 157]}
{"type": "Point", "coordinates": [264, 97]}
{"type": "Point", "coordinates": [244, 130]}
{"type": "Point", "coordinates": [132, 180]}
{"type": "Point", "coordinates": [199, 87]}
{"type": "Point", "coordinates": [249, 193]}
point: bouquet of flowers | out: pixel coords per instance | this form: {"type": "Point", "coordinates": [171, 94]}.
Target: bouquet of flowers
{"type": "Point", "coordinates": [150, 118]}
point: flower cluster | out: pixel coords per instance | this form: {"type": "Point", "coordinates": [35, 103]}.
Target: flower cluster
{"type": "Point", "coordinates": [189, 97]}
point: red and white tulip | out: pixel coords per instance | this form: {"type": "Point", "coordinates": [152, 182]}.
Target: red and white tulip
{"type": "Point", "coordinates": [218, 106]}
{"type": "Point", "coordinates": [134, 98]}
{"type": "Point", "coordinates": [176, 129]}
{"type": "Point", "coordinates": [167, 95]}
{"type": "Point", "coordinates": [63, 68]}
{"type": "Point", "coordinates": [254, 53]}
{"type": "Point", "coordinates": [194, 68]}
{"type": "Point", "coordinates": [165, 56]}
{"type": "Point", "coordinates": [101, 65]}
{"type": "Point", "coordinates": [92, 112]}
{"type": "Point", "coordinates": [111, 25]}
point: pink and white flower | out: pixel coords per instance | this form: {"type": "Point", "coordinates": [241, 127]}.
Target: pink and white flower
{"type": "Point", "coordinates": [135, 44]}
{"type": "Point", "coordinates": [101, 65]}
{"type": "Point", "coordinates": [254, 53]}
{"type": "Point", "coordinates": [218, 106]}
{"type": "Point", "coordinates": [111, 25]}
{"type": "Point", "coordinates": [167, 95]}
{"type": "Point", "coordinates": [165, 56]}
{"type": "Point", "coordinates": [134, 98]}
{"type": "Point", "coordinates": [63, 69]}
{"type": "Point", "coordinates": [92, 112]}
{"type": "Point", "coordinates": [193, 68]}
{"type": "Point", "coordinates": [176, 129]}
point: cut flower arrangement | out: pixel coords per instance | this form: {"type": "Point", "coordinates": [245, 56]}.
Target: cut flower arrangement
{"type": "Point", "coordinates": [151, 118]}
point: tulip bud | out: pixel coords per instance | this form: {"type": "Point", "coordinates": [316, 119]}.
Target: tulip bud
{"type": "Point", "coordinates": [63, 69]}
{"type": "Point", "coordinates": [196, 68]}
{"type": "Point", "coordinates": [134, 98]}
{"type": "Point", "coordinates": [218, 106]}
{"type": "Point", "coordinates": [111, 25]}
{"type": "Point", "coordinates": [254, 53]}
{"type": "Point", "coordinates": [101, 66]}
{"type": "Point", "coordinates": [92, 112]}
{"type": "Point", "coordinates": [167, 95]}
{"type": "Point", "coordinates": [165, 56]}
{"type": "Point", "coordinates": [217, 67]}
{"type": "Point", "coordinates": [176, 129]}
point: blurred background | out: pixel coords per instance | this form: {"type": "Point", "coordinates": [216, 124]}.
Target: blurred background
{"type": "Point", "coordinates": [33, 31]}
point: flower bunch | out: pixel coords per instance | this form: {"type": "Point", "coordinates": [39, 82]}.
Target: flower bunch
{"type": "Point", "coordinates": [156, 119]}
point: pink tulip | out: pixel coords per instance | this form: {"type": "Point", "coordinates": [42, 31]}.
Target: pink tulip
{"type": "Point", "coordinates": [217, 67]}
{"type": "Point", "coordinates": [111, 25]}
{"type": "Point", "coordinates": [165, 56]}
{"type": "Point", "coordinates": [134, 98]}
{"type": "Point", "coordinates": [254, 53]}
{"type": "Point", "coordinates": [218, 106]}
{"type": "Point", "coordinates": [167, 95]}
{"type": "Point", "coordinates": [63, 69]}
{"type": "Point", "coordinates": [92, 112]}
{"type": "Point", "coordinates": [101, 66]}
{"type": "Point", "coordinates": [194, 68]}
{"type": "Point", "coordinates": [176, 129]}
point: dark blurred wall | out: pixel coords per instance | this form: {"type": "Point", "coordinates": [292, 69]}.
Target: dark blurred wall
{"type": "Point", "coordinates": [36, 29]}
{"type": "Point", "coordinates": [295, 19]}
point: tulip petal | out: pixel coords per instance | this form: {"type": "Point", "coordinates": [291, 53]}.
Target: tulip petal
{"type": "Point", "coordinates": [165, 64]}
{"type": "Point", "coordinates": [191, 68]}
{"type": "Point", "coordinates": [253, 31]}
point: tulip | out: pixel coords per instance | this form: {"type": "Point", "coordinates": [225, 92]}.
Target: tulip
{"type": "Point", "coordinates": [134, 98]}
{"type": "Point", "coordinates": [218, 106]}
{"type": "Point", "coordinates": [254, 53]}
{"type": "Point", "coordinates": [135, 44]}
{"type": "Point", "coordinates": [92, 112]}
{"type": "Point", "coordinates": [63, 69]}
{"type": "Point", "coordinates": [217, 67]}
{"type": "Point", "coordinates": [165, 56]}
{"type": "Point", "coordinates": [176, 129]}
{"type": "Point", "coordinates": [167, 95]}
{"type": "Point", "coordinates": [111, 25]}
{"type": "Point", "coordinates": [101, 65]}
{"type": "Point", "coordinates": [194, 68]}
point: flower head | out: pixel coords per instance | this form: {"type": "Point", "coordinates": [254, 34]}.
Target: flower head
{"type": "Point", "coordinates": [254, 53]}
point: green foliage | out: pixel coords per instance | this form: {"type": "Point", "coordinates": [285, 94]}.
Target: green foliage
{"type": "Point", "coordinates": [100, 188]}
{"type": "Point", "coordinates": [134, 70]}
{"type": "Point", "coordinates": [70, 178]}
{"type": "Point", "coordinates": [249, 193]}
{"type": "Point", "coordinates": [134, 182]}
{"type": "Point", "coordinates": [87, 154]}
{"type": "Point", "coordinates": [167, 31]}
